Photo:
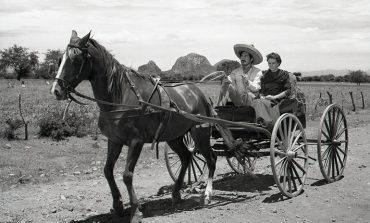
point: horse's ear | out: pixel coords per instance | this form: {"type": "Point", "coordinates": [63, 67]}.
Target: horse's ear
{"type": "Point", "coordinates": [74, 35]}
{"type": "Point", "coordinates": [84, 39]}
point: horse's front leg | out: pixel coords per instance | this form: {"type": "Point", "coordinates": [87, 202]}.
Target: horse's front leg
{"type": "Point", "coordinates": [133, 154]}
{"type": "Point", "coordinates": [179, 147]}
{"type": "Point", "coordinates": [114, 150]}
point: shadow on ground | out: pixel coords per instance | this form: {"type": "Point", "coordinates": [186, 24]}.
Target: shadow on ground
{"type": "Point", "coordinates": [228, 188]}
{"type": "Point", "coordinates": [163, 206]}
{"type": "Point", "coordinates": [244, 183]}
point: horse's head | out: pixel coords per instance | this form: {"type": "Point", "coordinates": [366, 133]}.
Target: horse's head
{"type": "Point", "coordinates": [75, 66]}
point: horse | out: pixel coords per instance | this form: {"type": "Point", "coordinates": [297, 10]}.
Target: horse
{"type": "Point", "coordinates": [124, 120]}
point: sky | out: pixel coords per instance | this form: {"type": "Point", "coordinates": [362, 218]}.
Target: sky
{"type": "Point", "coordinates": [308, 34]}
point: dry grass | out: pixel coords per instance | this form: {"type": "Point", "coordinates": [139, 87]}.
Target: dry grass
{"type": "Point", "coordinates": [42, 160]}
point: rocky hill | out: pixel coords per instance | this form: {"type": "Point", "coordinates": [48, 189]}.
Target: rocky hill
{"type": "Point", "coordinates": [192, 65]}
{"type": "Point", "coordinates": [150, 68]}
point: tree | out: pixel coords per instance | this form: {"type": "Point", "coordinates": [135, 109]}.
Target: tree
{"type": "Point", "coordinates": [49, 67]}
{"type": "Point", "coordinates": [357, 76]}
{"type": "Point", "coordinates": [18, 58]}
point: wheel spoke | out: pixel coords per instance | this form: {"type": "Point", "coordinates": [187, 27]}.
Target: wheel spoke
{"type": "Point", "coordinates": [285, 128]}
{"type": "Point", "coordinates": [172, 164]}
{"type": "Point", "coordinates": [327, 128]}
{"type": "Point", "coordinates": [289, 138]}
{"type": "Point", "coordinates": [336, 162]}
{"type": "Point", "coordinates": [340, 160]}
{"type": "Point", "coordinates": [200, 158]}
{"type": "Point", "coordinates": [326, 136]}
{"type": "Point", "coordinates": [327, 150]}
{"type": "Point", "coordinates": [197, 165]}
{"type": "Point", "coordinates": [281, 160]}
{"type": "Point", "coordinates": [292, 177]}
{"type": "Point", "coordinates": [296, 173]}
{"type": "Point", "coordinates": [285, 173]}
{"type": "Point", "coordinates": [299, 147]}
{"type": "Point", "coordinates": [177, 171]}
{"type": "Point", "coordinates": [339, 134]}
{"type": "Point", "coordinates": [194, 172]}
{"type": "Point", "coordinates": [340, 150]}
{"type": "Point", "coordinates": [332, 164]}
{"type": "Point", "coordinates": [299, 166]}
{"type": "Point", "coordinates": [289, 180]}
{"type": "Point", "coordinates": [297, 138]}
{"type": "Point", "coordinates": [340, 125]}
{"type": "Point", "coordinates": [329, 166]}
{"type": "Point", "coordinates": [334, 122]}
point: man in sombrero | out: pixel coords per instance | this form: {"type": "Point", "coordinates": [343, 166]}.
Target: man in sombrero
{"type": "Point", "coordinates": [244, 82]}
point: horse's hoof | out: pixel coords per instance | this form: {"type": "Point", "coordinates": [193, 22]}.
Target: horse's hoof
{"type": "Point", "coordinates": [118, 208]}
{"type": "Point", "coordinates": [176, 198]}
{"type": "Point", "coordinates": [137, 217]}
{"type": "Point", "coordinates": [206, 201]}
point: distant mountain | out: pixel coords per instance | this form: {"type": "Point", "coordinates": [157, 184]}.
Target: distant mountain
{"type": "Point", "coordinates": [325, 72]}
{"type": "Point", "coordinates": [150, 68]}
{"type": "Point", "coordinates": [192, 65]}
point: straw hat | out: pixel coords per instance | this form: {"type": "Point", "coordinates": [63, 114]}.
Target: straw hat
{"type": "Point", "coordinates": [257, 56]}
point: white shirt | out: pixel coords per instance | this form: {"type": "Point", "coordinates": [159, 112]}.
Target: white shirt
{"type": "Point", "coordinates": [253, 75]}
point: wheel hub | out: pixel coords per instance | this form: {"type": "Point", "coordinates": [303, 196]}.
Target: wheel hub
{"type": "Point", "coordinates": [291, 155]}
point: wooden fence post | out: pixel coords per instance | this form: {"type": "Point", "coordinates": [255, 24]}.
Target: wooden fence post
{"type": "Point", "coordinates": [353, 102]}
{"type": "Point", "coordinates": [363, 101]}
{"type": "Point", "coordinates": [24, 122]}
{"type": "Point", "coordinates": [317, 101]}
{"type": "Point", "coordinates": [330, 97]}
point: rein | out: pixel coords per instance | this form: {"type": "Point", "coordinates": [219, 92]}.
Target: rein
{"type": "Point", "coordinates": [97, 100]}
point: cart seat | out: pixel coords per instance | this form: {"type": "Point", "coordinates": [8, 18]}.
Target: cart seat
{"type": "Point", "coordinates": [234, 113]}
{"type": "Point", "coordinates": [295, 107]}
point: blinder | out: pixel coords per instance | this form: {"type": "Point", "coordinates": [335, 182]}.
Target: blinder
{"type": "Point", "coordinates": [70, 85]}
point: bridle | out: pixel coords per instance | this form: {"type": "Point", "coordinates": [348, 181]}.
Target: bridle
{"type": "Point", "coordinates": [69, 86]}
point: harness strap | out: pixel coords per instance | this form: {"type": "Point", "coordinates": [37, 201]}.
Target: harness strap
{"type": "Point", "coordinates": [132, 85]}
{"type": "Point", "coordinates": [153, 91]}
{"type": "Point", "coordinates": [100, 101]}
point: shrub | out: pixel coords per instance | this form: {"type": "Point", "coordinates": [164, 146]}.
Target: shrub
{"type": "Point", "coordinates": [52, 124]}
{"type": "Point", "coordinates": [9, 131]}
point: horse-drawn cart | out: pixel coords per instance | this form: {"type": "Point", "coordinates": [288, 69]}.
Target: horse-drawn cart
{"type": "Point", "coordinates": [286, 144]}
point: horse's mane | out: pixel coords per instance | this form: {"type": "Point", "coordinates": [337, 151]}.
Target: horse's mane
{"type": "Point", "coordinates": [115, 72]}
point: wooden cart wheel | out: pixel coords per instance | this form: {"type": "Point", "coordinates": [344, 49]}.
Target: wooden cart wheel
{"type": "Point", "coordinates": [197, 166]}
{"type": "Point", "coordinates": [289, 155]}
{"type": "Point", "coordinates": [332, 143]}
{"type": "Point", "coordinates": [250, 164]}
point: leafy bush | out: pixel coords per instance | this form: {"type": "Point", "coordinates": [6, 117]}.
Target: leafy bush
{"type": "Point", "coordinates": [52, 125]}
{"type": "Point", "coordinates": [9, 131]}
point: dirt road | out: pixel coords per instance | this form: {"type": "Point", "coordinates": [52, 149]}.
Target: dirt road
{"type": "Point", "coordinates": [237, 198]}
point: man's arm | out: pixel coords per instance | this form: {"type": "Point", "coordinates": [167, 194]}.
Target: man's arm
{"type": "Point", "coordinates": [255, 84]}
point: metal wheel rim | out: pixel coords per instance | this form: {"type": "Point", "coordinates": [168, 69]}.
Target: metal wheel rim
{"type": "Point", "coordinates": [196, 168]}
{"type": "Point", "coordinates": [332, 143]}
{"type": "Point", "coordinates": [250, 164]}
{"type": "Point", "coordinates": [289, 155]}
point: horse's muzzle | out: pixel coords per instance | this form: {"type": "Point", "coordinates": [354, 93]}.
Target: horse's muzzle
{"type": "Point", "coordinates": [59, 93]}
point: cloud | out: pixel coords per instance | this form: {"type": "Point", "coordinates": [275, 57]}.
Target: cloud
{"type": "Point", "coordinates": [169, 28]}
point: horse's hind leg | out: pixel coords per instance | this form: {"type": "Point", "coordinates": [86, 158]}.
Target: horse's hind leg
{"type": "Point", "coordinates": [179, 147]}
{"type": "Point", "coordinates": [201, 137]}
{"type": "Point", "coordinates": [113, 153]}
{"type": "Point", "coordinates": [133, 154]}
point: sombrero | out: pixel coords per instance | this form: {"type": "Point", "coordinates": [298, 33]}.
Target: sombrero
{"type": "Point", "coordinates": [257, 56]}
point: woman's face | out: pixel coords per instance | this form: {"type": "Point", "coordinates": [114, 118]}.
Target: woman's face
{"type": "Point", "coordinates": [273, 64]}
{"type": "Point", "coordinates": [245, 59]}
